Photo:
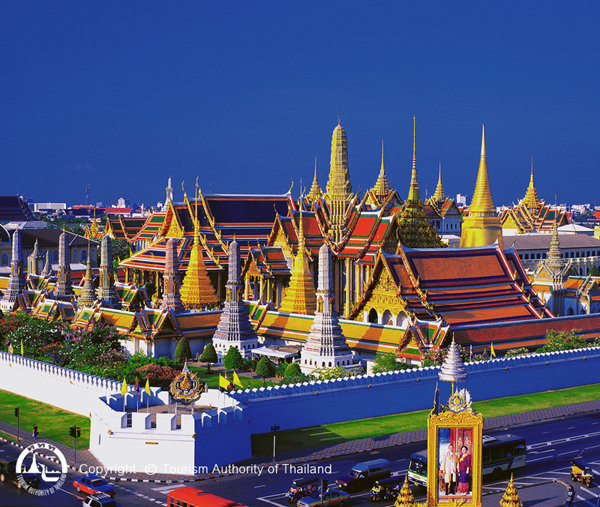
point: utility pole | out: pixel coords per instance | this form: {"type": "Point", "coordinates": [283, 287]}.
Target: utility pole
{"type": "Point", "coordinates": [18, 418]}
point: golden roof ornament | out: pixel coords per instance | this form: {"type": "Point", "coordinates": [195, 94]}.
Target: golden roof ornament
{"type": "Point", "coordinates": [531, 199]}
{"type": "Point", "coordinates": [382, 187]}
{"type": "Point", "coordinates": [439, 194]}
{"type": "Point", "coordinates": [315, 190]}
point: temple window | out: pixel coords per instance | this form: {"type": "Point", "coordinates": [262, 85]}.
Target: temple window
{"type": "Point", "coordinates": [5, 259]}
{"type": "Point", "coordinates": [55, 257]}
{"type": "Point", "coordinates": [84, 255]}
{"type": "Point", "coordinates": [373, 316]}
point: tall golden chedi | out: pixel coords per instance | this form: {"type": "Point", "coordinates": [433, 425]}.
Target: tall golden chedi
{"type": "Point", "coordinates": [481, 226]}
{"type": "Point", "coordinates": [300, 296]}
{"type": "Point", "coordinates": [196, 290]}
{"type": "Point", "coordinates": [339, 190]}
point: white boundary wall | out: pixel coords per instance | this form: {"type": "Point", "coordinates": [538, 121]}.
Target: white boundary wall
{"type": "Point", "coordinates": [67, 389]}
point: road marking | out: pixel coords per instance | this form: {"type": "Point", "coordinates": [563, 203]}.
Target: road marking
{"type": "Point", "coordinates": [563, 453]}
{"type": "Point", "coordinates": [541, 452]}
{"type": "Point", "coordinates": [586, 501]}
{"type": "Point", "coordinates": [261, 486]}
{"type": "Point", "coordinates": [167, 489]}
{"type": "Point", "coordinates": [537, 459]}
{"type": "Point", "coordinates": [68, 492]}
{"type": "Point", "coordinates": [589, 492]}
{"type": "Point", "coordinates": [264, 499]}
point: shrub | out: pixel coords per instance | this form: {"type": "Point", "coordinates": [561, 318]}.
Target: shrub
{"type": "Point", "coordinates": [159, 376]}
{"type": "Point", "coordinates": [517, 352]}
{"type": "Point", "coordinates": [563, 340]}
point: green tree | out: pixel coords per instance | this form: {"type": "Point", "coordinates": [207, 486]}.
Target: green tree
{"type": "Point", "coordinates": [292, 370]}
{"type": "Point", "coordinates": [233, 359]}
{"type": "Point", "coordinates": [264, 368]}
{"type": "Point", "coordinates": [387, 362]}
{"type": "Point", "coordinates": [562, 340]}
{"type": "Point", "coordinates": [594, 271]}
{"type": "Point", "coordinates": [209, 355]}
{"type": "Point", "coordinates": [183, 350]}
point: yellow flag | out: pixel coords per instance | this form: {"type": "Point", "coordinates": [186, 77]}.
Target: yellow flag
{"type": "Point", "coordinates": [147, 388]}
{"type": "Point", "coordinates": [492, 352]}
{"type": "Point", "coordinates": [236, 380]}
{"type": "Point", "coordinates": [21, 347]}
{"type": "Point", "coordinates": [10, 349]}
{"type": "Point", "coordinates": [223, 382]}
{"type": "Point", "coordinates": [124, 387]}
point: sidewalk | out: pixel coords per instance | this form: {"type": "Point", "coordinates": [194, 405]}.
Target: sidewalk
{"type": "Point", "coordinates": [316, 453]}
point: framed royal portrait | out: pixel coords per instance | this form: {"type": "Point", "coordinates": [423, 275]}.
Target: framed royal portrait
{"type": "Point", "coordinates": [454, 443]}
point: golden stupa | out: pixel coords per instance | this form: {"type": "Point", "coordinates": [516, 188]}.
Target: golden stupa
{"type": "Point", "coordinates": [481, 226]}
{"type": "Point", "coordinates": [196, 289]}
{"type": "Point", "coordinates": [300, 296]}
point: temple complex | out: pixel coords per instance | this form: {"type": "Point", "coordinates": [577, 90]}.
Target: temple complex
{"type": "Point", "coordinates": [444, 215]}
{"type": "Point", "coordinates": [481, 226]}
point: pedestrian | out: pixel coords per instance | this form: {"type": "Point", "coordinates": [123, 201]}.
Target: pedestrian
{"type": "Point", "coordinates": [35, 431]}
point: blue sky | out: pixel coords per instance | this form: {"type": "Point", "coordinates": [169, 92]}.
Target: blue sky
{"type": "Point", "coordinates": [244, 95]}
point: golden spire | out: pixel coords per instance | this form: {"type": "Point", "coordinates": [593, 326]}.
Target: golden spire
{"type": "Point", "coordinates": [339, 189]}
{"type": "Point", "coordinates": [382, 187]}
{"type": "Point", "coordinates": [439, 194]}
{"type": "Point", "coordinates": [531, 199]}
{"type": "Point", "coordinates": [196, 289]}
{"type": "Point", "coordinates": [416, 230]}
{"type": "Point", "coordinates": [481, 226]}
{"type": "Point", "coordinates": [482, 204]}
{"type": "Point", "coordinates": [413, 194]}
{"type": "Point", "coordinates": [315, 190]}
{"type": "Point", "coordinates": [300, 296]}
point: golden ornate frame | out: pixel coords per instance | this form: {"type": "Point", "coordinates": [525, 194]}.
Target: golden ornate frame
{"type": "Point", "coordinates": [447, 419]}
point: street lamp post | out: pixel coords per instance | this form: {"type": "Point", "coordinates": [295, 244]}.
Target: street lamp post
{"type": "Point", "coordinates": [274, 429]}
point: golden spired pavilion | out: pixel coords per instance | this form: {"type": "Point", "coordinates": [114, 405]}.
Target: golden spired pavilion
{"type": "Point", "coordinates": [481, 226]}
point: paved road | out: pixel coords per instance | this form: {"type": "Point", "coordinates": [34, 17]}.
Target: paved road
{"type": "Point", "coordinates": [153, 493]}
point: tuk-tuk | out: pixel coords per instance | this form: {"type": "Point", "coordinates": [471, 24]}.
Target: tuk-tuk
{"type": "Point", "coordinates": [301, 488]}
{"type": "Point", "coordinates": [385, 489]}
{"type": "Point", "coordinates": [580, 471]}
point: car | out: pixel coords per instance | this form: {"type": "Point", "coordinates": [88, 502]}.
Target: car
{"type": "Point", "coordinates": [8, 473]}
{"type": "Point", "coordinates": [331, 497]}
{"type": "Point", "coordinates": [101, 500]}
{"type": "Point", "coordinates": [93, 484]}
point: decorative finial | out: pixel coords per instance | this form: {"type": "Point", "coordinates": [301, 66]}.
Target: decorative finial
{"type": "Point", "coordinates": [339, 117]}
